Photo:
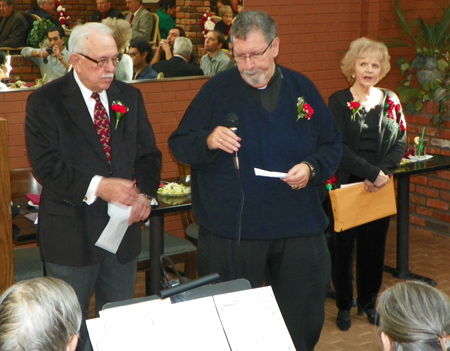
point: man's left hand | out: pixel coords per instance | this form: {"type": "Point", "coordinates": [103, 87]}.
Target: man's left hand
{"type": "Point", "coordinates": [298, 176]}
{"type": "Point", "coordinates": [140, 210]}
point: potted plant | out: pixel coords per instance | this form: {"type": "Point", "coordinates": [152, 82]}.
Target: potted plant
{"type": "Point", "coordinates": [429, 66]}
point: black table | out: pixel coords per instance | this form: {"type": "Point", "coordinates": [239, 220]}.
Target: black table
{"type": "Point", "coordinates": [402, 174]}
{"type": "Point", "coordinates": [166, 205]}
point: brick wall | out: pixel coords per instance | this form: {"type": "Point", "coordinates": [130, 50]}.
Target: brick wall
{"type": "Point", "coordinates": [313, 36]}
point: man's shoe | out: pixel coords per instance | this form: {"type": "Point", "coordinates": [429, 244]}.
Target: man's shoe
{"type": "Point", "coordinates": [343, 320]}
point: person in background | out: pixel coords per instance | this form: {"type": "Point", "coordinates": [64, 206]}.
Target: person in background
{"type": "Point", "coordinates": [140, 19]}
{"type": "Point", "coordinates": [45, 9]}
{"type": "Point", "coordinates": [178, 65]}
{"type": "Point", "coordinates": [41, 314]}
{"type": "Point", "coordinates": [414, 316]}
{"type": "Point", "coordinates": [53, 61]}
{"type": "Point", "coordinates": [141, 52]}
{"type": "Point", "coordinates": [224, 25]}
{"type": "Point", "coordinates": [104, 10]}
{"type": "Point", "coordinates": [373, 132]}
{"type": "Point", "coordinates": [164, 50]}
{"type": "Point", "coordinates": [96, 163]}
{"type": "Point", "coordinates": [165, 13]}
{"type": "Point", "coordinates": [13, 26]}
{"type": "Point", "coordinates": [275, 234]}
{"type": "Point", "coordinates": [221, 3]}
{"type": "Point", "coordinates": [122, 35]}
{"type": "Point", "coordinates": [215, 60]}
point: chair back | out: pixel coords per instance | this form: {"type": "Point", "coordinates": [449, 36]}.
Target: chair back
{"type": "Point", "coordinates": [155, 35]}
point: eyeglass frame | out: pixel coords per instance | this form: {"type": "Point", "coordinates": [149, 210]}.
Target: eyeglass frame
{"type": "Point", "coordinates": [115, 61]}
{"type": "Point", "coordinates": [259, 55]}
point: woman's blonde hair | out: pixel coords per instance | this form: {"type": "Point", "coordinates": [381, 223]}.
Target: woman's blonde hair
{"type": "Point", "coordinates": [360, 48]}
{"type": "Point", "coordinates": [225, 10]}
{"type": "Point", "coordinates": [121, 32]}
{"type": "Point", "coordinates": [415, 317]}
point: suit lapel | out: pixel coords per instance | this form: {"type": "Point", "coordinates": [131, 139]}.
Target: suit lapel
{"type": "Point", "coordinates": [77, 110]}
{"type": "Point", "coordinates": [116, 133]}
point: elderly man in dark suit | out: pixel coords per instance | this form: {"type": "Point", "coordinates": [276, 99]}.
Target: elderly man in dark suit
{"type": "Point", "coordinates": [13, 25]}
{"type": "Point", "coordinates": [178, 65]}
{"type": "Point", "coordinates": [91, 144]}
{"type": "Point", "coordinates": [104, 10]}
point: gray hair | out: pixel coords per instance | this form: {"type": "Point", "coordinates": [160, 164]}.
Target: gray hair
{"type": "Point", "coordinates": [415, 316]}
{"type": "Point", "coordinates": [249, 21]}
{"type": "Point", "coordinates": [224, 10]}
{"type": "Point", "coordinates": [40, 2]}
{"type": "Point", "coordinates": [121, 32]}
{"type": "Point", "coordinates": [41, 314]}
{"type": "Point", "coordinates": [182, 47]}
{"type": "Point", "coordinates": [77, 40]}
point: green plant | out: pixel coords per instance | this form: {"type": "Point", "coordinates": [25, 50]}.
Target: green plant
{"type": "Point", "coordinates": [38, 32]}
{"type": "Point", "coordinates": [427, 74]}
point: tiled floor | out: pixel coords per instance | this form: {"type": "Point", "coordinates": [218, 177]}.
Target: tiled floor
{"type": "Point", "coordinates": [428, 257]}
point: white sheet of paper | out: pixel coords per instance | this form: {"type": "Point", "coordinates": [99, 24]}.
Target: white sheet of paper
{"type": "Point", "coordinates": [159, 325]}
{"type": "Point", "coordinates": [114, 231]}
{"type": "Point", "coordinates": [263, 173]}
{"type": "Point", "coordinates": [252, 320]}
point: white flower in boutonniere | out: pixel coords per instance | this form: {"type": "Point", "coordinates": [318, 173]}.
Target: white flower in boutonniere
{"type": "Point", "coordinates": [304, 110]}
{"type": "Point", "coordinates": [120, 109]}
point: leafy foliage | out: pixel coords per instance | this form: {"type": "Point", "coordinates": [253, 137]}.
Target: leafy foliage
{"type": "Point", "coordinates": [38, 32]}
{"type": "Point", "coordinates": [427, 75]}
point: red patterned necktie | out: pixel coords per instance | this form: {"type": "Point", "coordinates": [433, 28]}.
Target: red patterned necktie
{"type": "Point", "coordinates": [101, 123]}
{"type": "Point", "coordinates": [132, 18]}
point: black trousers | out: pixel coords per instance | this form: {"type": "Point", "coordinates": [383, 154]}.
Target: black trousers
{"type": "Point", "coordinates": [370, 241]}
{"type": "Point", "coordinates": [298, 269]}
{"type": "Point", "coordinates": [111, 281]}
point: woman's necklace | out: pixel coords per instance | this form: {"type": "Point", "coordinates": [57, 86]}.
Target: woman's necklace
{"type": "Point", "coordinates": [369, 101]}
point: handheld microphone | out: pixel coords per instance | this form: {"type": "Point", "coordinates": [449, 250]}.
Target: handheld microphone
{"type": "Point", "coordinates": [232, 122]}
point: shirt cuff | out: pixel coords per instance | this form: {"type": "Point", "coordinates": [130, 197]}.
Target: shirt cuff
{"type": "Point", "coordinates": [90, 196]}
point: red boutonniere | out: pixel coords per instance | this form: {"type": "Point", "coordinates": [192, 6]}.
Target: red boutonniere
{"type": "Point", "coordinates": [120, 109]}
{"type": "Point", "coordinates": [393, 111]}
{"type": "Point", "coordinates": [330, 182]}
{"type": "Point", "coordinates": [304, 110]}
{"type": "Point", "coordinates": [354, 107]}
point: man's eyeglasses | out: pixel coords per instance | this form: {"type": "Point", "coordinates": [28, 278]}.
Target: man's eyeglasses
{"type": "Point", "coordinates": [102, 62]}
{"type": "Point", "coordinates": [253, 57]}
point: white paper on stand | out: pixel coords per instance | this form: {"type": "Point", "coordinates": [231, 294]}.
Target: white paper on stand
{"type": "Point", "coordinates": [114, 231]}
{"type": "Point", "coordinates": [252, 320]}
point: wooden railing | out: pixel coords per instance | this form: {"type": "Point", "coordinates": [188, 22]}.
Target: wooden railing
{"type": "Point", "coordinates": [6, 254]}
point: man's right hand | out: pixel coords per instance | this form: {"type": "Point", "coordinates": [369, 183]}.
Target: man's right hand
{"type": "Point", "coordinates": [118, 191]}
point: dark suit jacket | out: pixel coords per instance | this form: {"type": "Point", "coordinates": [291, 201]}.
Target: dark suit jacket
{"type": "Point", "coordinates": [177, 67]}
{"type": "Point", "coordinates": [113, 13]}
{"type": "Point", "coordinates": [66, 153]}
{"type": "Point", "coordinates": [13, 30]}
{"type": "Point", "coordinates": [44, 15]}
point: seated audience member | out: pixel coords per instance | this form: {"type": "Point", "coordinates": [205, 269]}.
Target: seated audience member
{"type": "Point", "coordinates": [122, 35]}
{"type": "Point", "coordinates": [178, 65]}
{"type": "Point", "coordinates": [13, 25]}
{"type": "Point", "coordinates": [224, 25]}
{"type": "Point", "coordinates": [165, 47]}
{"type": "Point", "coordinates": [165, 12]}
{"type": "Point", "coordinates": [45, 9]}
{"type": "Point", "coordinates": [53, 61]}
{"type": "Point", "coordinates": [215, 60]}
{"type": "Point", "coordinates": [41, 314]}
{"type": "Point", "coordinates": [104, 10]}
{"type": "Point", "coordinates": [414, 316]}
{"type": "Point", "coordinates": [140, 19]}
{"type": "Point", "coordinates": [222, 3]}
{"type": "Point", "coordinates": [141, 52]}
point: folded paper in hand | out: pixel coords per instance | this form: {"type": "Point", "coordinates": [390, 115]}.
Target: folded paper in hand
{"type": "Point", "coordinates": [353, 205]}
